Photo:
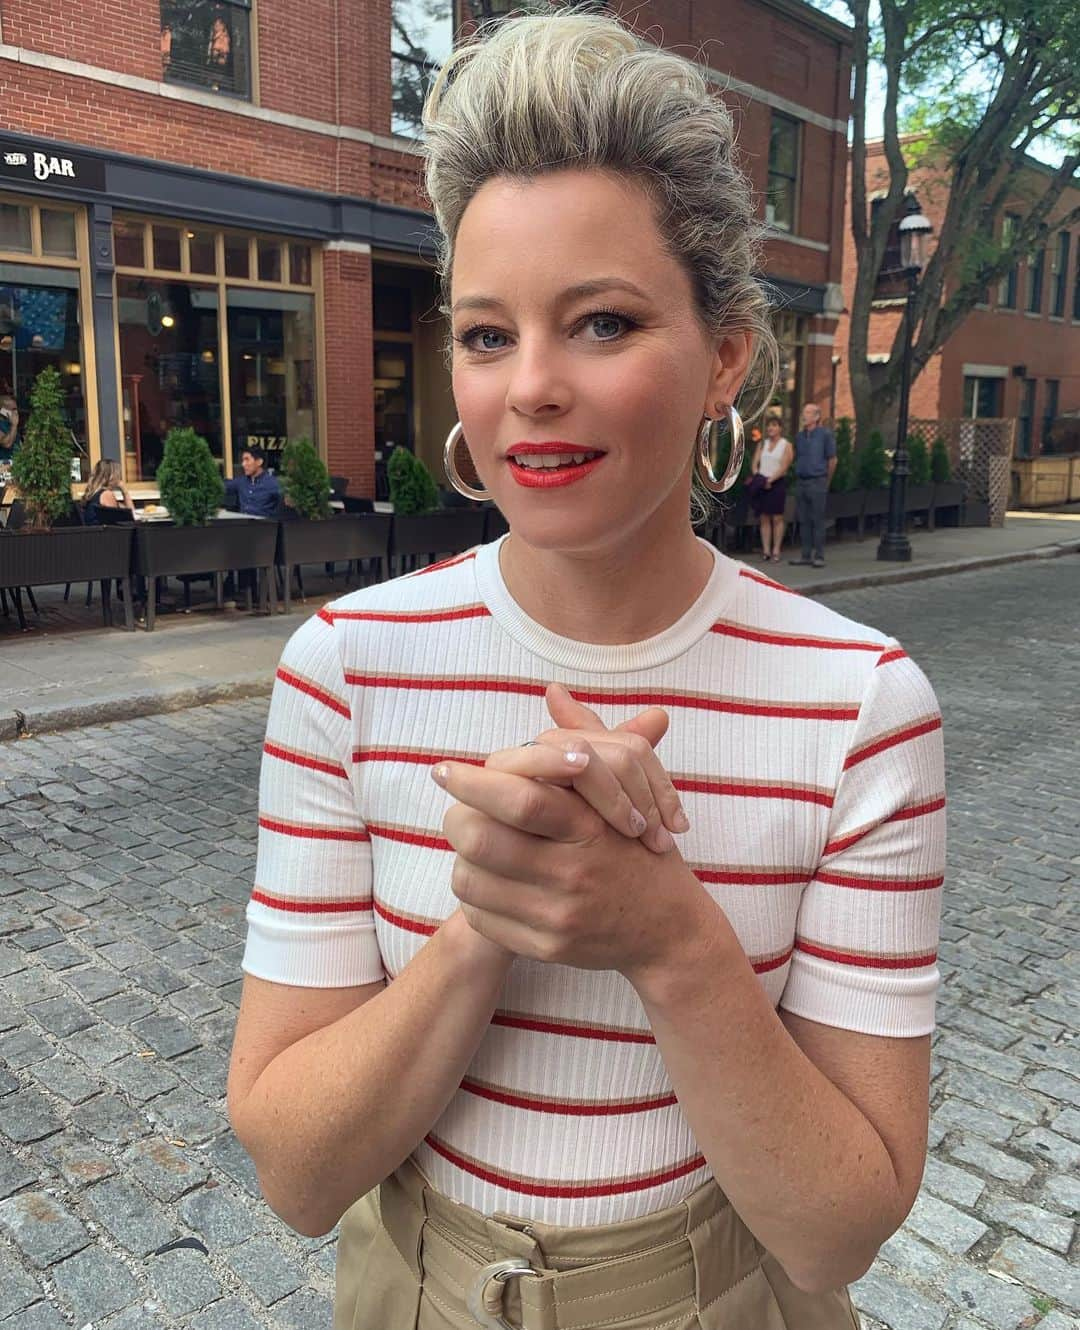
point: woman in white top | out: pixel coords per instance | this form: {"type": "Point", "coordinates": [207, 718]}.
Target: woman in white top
{"type": "Point", "coordinates": [772, 458]}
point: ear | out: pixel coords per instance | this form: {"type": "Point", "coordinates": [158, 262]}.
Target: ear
{"type": "Point", "coordinates": [731, 364]}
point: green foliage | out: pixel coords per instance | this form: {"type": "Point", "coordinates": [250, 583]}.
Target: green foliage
{"type": "Point", "coordinates": [188, 478]}
{"type": "Point", "coordinates": [844, 476]}
{"type": "Point", "coordinates": [412, 486]}
{"type": "Point", "coordinates": [940, 466]}
{"type": "Point", "coordinates": [918, 460]}
{"type": "Point", "coordinates": [872, 464]}
{"type": "Point", "coordinates": [305, 479]}
{"type": "Point", "coordinates": [41, 468]}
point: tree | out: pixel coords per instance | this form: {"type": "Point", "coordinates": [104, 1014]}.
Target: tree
{"type": "Point", "coordinates": [872, 464]}
{"type": "Point", "coordinates": [412, 487]}
{"type": "Point", "coordinates": [844, 473]}
{"type": "Point", "coordinates": [305, 479]}
{"type": "Point", "coordinates": [41, 468]}
{"type": "Point", "coordinates": [188, 478]}
{"type": "Point", "coordinates": [977, 87]}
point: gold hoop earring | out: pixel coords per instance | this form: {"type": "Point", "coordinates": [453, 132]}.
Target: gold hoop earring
{"type": "Point", "coordinates": [735, 456]}
{"type": "Point", "coordinates": [449, 465]}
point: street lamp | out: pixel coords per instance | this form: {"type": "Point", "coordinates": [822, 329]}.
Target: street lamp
{"type": "Point", "coordinates": [915, 232]}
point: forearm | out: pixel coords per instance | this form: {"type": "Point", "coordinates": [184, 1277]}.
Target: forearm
{"type": "Point", "coordinates": [800, 1163]}
{"type": "Point", "coordinates": [338, 1111]}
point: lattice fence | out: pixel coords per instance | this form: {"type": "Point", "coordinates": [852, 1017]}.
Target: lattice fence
{"type": "Point", "coordinates": [980, 452]}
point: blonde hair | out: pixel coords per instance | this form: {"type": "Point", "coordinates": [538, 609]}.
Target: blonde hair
{"type": "Point", "coordinates": [106, 475]}
{"type": "Point", "coordinates": [541, 93]}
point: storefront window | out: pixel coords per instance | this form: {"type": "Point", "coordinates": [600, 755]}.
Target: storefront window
{"type": "Point", "coordinates": [202, 251]}
{"type": "Point", "coordinates": [39, 328]}
{"type": "Point", "coordinates": [15, 233]}
{"type": "Point", "coordinates": [58, 233]}
{"type": "Point", "coordinates": [269, 257]}
{"type": "Point", "coordinates": [271, 369]}
{"type": "Point", "coordinates": [237, 256]}
{"type": "Point", "coordinates": [128, 249]}
{"type": "Point", "coordinates": [791, 339]}
{"type": "Point", "coordinates": [300, 265]}
{"type": "Point", "coordinates": [166, 240]}
{"type": "Point", "coordinates": [169, 368]}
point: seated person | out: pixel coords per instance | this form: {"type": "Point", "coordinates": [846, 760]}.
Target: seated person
{"type": "Point", "coordinates": [257, 490]}
{"type": "Point", "coordinates": [9, 429]}
{"type": "Point", "coordinates": [99, 502]}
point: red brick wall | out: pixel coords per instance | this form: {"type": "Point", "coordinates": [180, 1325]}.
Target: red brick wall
{"type": "Point", "coordinates": [350, 408]}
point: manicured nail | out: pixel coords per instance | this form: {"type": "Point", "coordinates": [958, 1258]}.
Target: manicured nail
{"type": "Point", "coordinates": [682, 822]}
{"type": "Point", "coordinates": [662, 841]}
{"type": "Point", "coordinates": [440, 775]}
{"type": "Point", "coordinates": [638, 822]}
{"type": "Point", "coordinates": [576, 759]}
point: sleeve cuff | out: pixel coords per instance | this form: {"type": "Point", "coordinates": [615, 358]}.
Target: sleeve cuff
{"type": "Point", "coordinates": [883, 1003]}
{"type": "Point", "coordinates": [330, 956]}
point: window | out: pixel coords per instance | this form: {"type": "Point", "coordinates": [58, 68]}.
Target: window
{"type": "Point", "coordinates": [15, 228]}
{"type": "Point", "coordinates": [1060, 268]}
{"type": "Point", "coordinates": [207, 43]}
{"type": "Point", "coordinates": [1036, 267]}
{"type": "Point", "coordinates": [1076, 287]}
{"type": "Point", "coordinates": [982, 397]}
{"type": "Point", "coordinates": [271, 369]}
{"type": "Point", "coordinates": [781, 194]}
{"type": "Point", "coordinates": [1026, 416]}
{"type": "Point", "coordinates": [421, 37]}
{"type": "Point", "coordinates": [1051, 409]}
{"type": "Point", "coordinates": [1007, 286]}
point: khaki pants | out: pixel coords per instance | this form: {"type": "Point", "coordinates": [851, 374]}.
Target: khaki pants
{"type": "Point", "coordinates": [409, 1259]}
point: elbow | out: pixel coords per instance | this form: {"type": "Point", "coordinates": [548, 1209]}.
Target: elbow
{"type": "Point", "coordinates": [829, 1271]}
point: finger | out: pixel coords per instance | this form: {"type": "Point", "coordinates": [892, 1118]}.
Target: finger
{"type": "Point", "coordinates": [489, 846]}
{"type": "Point", "coordinates": [528, 805]}
{"type": "Point", "coordinates": [626, 760]}
{"type": "Point", "coordinates": [593, 779]}
{"type": "Point", "coordinates": [662, 789]}
{"type": "Point", "coordinates": [510, 934]}
{"type": "Point", "coordinates": [567, 712]}
{"type": "Point", "coordinates": [651, 724]}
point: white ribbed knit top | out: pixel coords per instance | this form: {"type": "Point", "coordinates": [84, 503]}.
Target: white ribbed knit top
{"type": "Point", "coordinates": [807, 752]}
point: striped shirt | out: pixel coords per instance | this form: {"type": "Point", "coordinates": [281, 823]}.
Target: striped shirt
{"type": "Point", "coordinates": [807, 752]}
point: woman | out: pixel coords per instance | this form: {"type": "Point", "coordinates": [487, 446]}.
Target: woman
{"type": "Point", "coordinates": [578, 1072]}
{"type": "Point", "coordinates": [100, 505]}
{"type": "Point", "coordinates": [772, 459]}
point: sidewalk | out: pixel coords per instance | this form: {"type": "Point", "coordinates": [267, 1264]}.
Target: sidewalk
{"type": "Point", "coordinates": [71, 672]}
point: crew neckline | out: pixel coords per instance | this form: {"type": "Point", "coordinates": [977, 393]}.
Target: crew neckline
{"type": "Point", "coordinates": [596, 657]}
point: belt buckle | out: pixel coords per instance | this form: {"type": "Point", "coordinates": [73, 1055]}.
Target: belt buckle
{"type": "Point", "coordinates": [512, 1268]}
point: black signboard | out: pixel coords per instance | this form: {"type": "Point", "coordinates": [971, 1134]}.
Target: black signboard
{"type": "Point", "coordinates": [48, 166]}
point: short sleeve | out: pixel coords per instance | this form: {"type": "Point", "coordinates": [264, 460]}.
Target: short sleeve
{"type": "Point", "coordinates": [310, 917]}
{"type": "Point", "coordinates": [867, 931]}
{"type": "Point", "coordinates": [830, 443]}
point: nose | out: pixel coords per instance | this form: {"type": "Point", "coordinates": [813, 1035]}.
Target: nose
{"type": "Point", "coordinates": [537, 384]}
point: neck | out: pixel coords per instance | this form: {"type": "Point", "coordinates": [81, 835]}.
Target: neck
{"type": "Point", "coordinates": [625, 593]}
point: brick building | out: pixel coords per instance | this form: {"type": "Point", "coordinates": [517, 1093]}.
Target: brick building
{"type": "Point", "coordinates": [210, 214]}
{"type": "Point", "coordinates": [1015, 356]}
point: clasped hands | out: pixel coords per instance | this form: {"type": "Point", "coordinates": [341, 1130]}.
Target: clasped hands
{"type": "Point", "coordinates": [564, 846]}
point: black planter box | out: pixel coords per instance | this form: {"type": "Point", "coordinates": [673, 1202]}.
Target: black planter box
{"type": "Point", "coordinates": [948, 503]}
{"type": "Point", "coordinates": [165, 550]}
{"type": "Point", "coordinates": [71, 554]}
{"type": "Point", "coordinates": [440, 533]}
{"type": "Point", "coordinates": [875, 504]}
{"type": "Point", "coordinates": [335, 540]}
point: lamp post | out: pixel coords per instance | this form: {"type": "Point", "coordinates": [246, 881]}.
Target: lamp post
{"type": "Point", "coordinates": [915, 230]}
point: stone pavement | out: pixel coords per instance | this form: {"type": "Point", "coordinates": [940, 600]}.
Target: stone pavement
{"type": "Point", "coordinates": [126, 857]}
{"type": "Point", "coordinates": [68, 671]}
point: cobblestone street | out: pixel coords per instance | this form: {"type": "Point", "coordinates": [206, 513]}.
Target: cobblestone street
{"type": "Point", "coordinates": [126, 858]}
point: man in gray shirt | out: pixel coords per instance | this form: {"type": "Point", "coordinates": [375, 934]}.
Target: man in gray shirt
{"type": "Point", "coordinates": [815, 462]}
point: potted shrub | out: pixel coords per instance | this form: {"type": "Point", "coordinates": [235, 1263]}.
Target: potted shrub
{"type": "Point", "coordinates": [420, 528]}
{"type": "Point", "coordinates": [845, 498]}
{"type": "Point", "coordinates": [872, 468]}
{"type": "Point", "coordinates": [194, 542]}
{"type": "Point", "coordinates": [948, 493]}
{"type": "Point", "coordinates": [919, 492]}
{"type": "Point", "coordinates": [41, 553]}
{"type": "Point", "coordinates": [310, 531]}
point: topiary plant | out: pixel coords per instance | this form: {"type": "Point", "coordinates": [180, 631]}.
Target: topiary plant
{"type": "Point", "coordinates": [940, 466]}
{"type": "Point", "coordinates": [844, 475]}
{"type": "Point", "coordinates": [305, 480]}
{"type": "Point", "coordinates": [188, 477]}
{"type": "Point", "coordinates": [412, 486]}
{"type": "Point", "coordinates": [872, 464]}
{"type": "Point", "coordinates": [41, 468]}
{"type": "Point", "coordinates": [918, 460]}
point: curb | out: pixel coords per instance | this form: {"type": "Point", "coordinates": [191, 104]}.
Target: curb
{"type": "Point", "coordinates": [154, 702]}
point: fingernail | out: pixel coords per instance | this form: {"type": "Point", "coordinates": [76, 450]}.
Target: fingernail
{"type": "Point", "coordinates": [638, 821]}
{"type": "Point", "coordinates": [576, 759]}
{"type": "Point", "coordinates": [662, 841]}
{"type": "Point", "coordinates": [682, 822]}
{"type": "Point", "coordinates": [440, 775]}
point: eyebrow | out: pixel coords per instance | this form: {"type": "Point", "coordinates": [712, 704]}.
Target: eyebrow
{"type": "Point", "coordinates": [582, 290]}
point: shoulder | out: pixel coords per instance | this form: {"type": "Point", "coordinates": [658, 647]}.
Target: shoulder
{"type": "Point", "coordinates": [446, 588]}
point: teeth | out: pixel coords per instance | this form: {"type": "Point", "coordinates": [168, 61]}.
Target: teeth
{"type": "Point", "coordinates": [538, 462]}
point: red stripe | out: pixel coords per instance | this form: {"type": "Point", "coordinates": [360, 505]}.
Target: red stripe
{"type": "Point", "coordinates": [427, 839]}
{"type": "Point", "coordinates": [896, 653]}
{"type": "Point", "coordinates": [306, 832]}
{"type": "Point", "coordinates": [800, 792]}
{"type": "Point", "coordinates": [774, 963]}
{"type": "Point", "coordinates": [782, 640]}
{"type": "Point", "coordinates": [404, 755]}
{"type": "Point", "coordinates": [879, 883]}
{"type": "Point", "coordinates": [917, 810]}
{"type": "Point", "coordinates": [731, 706]}
{"type": "Point", "coordinates": [319, 694]}
{"type": "Point", "coordinates": [302, 760]}
{"type": "Point", "coordinates": [422, 926]}
{"type": "Point", "coordinates": [752, 877]}
{"type": "Point", "coordinates": [543, 1025]}
{"type": "Point", "coordinates": [766, 581]}
{"type": "Point", "coordinates": [433, 616]}
{"type": "Point", "coordinates": [890, 741]}
{"type": "Point", "coordinates": [901, 815]}
{"type": "Point", "coordinates": [566, 1190]}
{"type": "Point", "coordinates": [867, 962]}
{"type": "Point", "coordinates": [446, 563]}
{"type": "Point", "coordinates": [570, 1110]}
{"type": "Point", "coordinates": [309, 907]}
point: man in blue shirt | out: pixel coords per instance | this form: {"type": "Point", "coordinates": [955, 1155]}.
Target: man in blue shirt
{"type": "Point", "coordinates": [815, 462]}
{"type": "Point", "coordinates": [257, 490]}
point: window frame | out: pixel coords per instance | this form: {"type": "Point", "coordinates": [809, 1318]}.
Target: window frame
{"type": "Point", "coordinates": [1059, 268]}
{"type": "Point", "coordinates": [1009, 285]}
{"type": "Point", "coordinates": [1036, 280]}
{"type": "Point", "coordinates": [1052, 398]}
{"type": "Point", "coordinates": [794, 179]}
{"type": "Point", "coordinates": [251, 91]}
{"type": "Point", "coordinates": [1025, 417]}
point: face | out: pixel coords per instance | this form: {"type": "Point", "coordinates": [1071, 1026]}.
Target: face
{"type": "Point", "coordinates": [772, 428]}
{"type": "Point", "coordinates": [574, 330]}
{"type": "Point", "coordinates": [251, 465]}
{"type": "Point", "coordinates": [811, 416]}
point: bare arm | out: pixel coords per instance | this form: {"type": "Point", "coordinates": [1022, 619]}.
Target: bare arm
{"type": "Point", "coordinates": [331, 1089]}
